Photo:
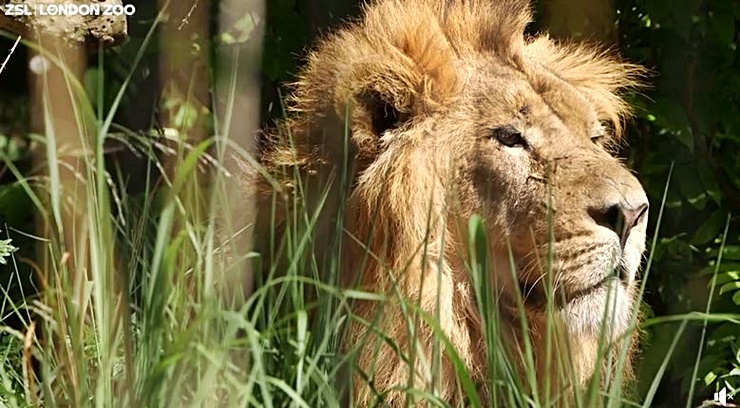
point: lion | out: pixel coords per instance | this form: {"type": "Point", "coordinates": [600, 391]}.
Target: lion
{"type": "Point", "coordinates": [423, 114]}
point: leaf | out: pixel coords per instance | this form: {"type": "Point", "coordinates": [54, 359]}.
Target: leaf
{"type": "Point", "coordinates": [728, 287]}
{"type": "Point", "coordinates": [692, 189]}
{"type": "Point", "coordinates": [709, 378]}
{"type": "Point", "coordinates": [724, 333]}
{"type": "Point", "coordinates": [710, 364]}
{"type": "Point", "coordinates": [709, 181]}
{"type": "Point", "coordinates": [673, 117]}
{"type": "Point", "coordinates": [729, 276]}
{"type": "Point", "coordinates": [710, 229]}
{"type": "Point", "coordinates": [731, 253]}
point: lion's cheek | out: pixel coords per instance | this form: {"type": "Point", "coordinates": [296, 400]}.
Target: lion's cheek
{"type": "Point", "coordinates": [498, 178]}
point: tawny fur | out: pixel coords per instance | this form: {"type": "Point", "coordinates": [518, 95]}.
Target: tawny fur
{"type": "Point", "coordinates": [418, 83]}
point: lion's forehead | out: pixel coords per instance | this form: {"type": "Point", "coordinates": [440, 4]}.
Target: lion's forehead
{"type": "Point", "coordinates": [533, 99]}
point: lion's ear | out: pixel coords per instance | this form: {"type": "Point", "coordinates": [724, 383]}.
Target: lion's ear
{"type": "Point", "coordinates": [401, 68]}
{"type": "Point", "coordinates": [383, 115]}
{"type": "Point", "coordinates": [386, 96]}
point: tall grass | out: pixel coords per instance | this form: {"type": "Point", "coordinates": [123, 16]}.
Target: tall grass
{"type": "Point", "coordinates": [132, 312]}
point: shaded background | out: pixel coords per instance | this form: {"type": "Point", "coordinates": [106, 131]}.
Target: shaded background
{"type": "Point", "coordinates": [687, 126]}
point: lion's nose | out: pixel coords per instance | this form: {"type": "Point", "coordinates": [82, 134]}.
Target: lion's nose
{"type": "Point", "coordinates": [620, 218]}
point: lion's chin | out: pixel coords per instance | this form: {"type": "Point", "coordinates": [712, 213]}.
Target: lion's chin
{"type": "Point", "coordinates": [603, 312]}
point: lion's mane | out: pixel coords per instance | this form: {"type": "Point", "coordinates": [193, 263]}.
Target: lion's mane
{"type": "Point", "coordinates": [385, 71]}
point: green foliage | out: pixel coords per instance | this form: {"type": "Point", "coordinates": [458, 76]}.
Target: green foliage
{"type": "Point", "coordinates": [688, 118]}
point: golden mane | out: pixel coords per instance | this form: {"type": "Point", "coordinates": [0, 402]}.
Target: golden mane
{"type": "Point", "coordinates": [402, 59]}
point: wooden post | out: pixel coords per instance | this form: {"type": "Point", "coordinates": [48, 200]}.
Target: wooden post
{"type": "Point", "coordinates": [56, 62]}
{"type": "Point", "coordinates": [61, 113]}
{"type": "Point", "coordinates": [238, 112]}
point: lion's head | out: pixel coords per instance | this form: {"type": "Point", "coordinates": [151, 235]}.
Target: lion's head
{"type": "Point", "coordinates": [450, 111]}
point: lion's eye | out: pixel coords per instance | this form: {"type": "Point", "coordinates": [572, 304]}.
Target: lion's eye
{"type": "Point", "coordinates": [508, 137]}
{"type": "Point", "coordinates": [598, 139]}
